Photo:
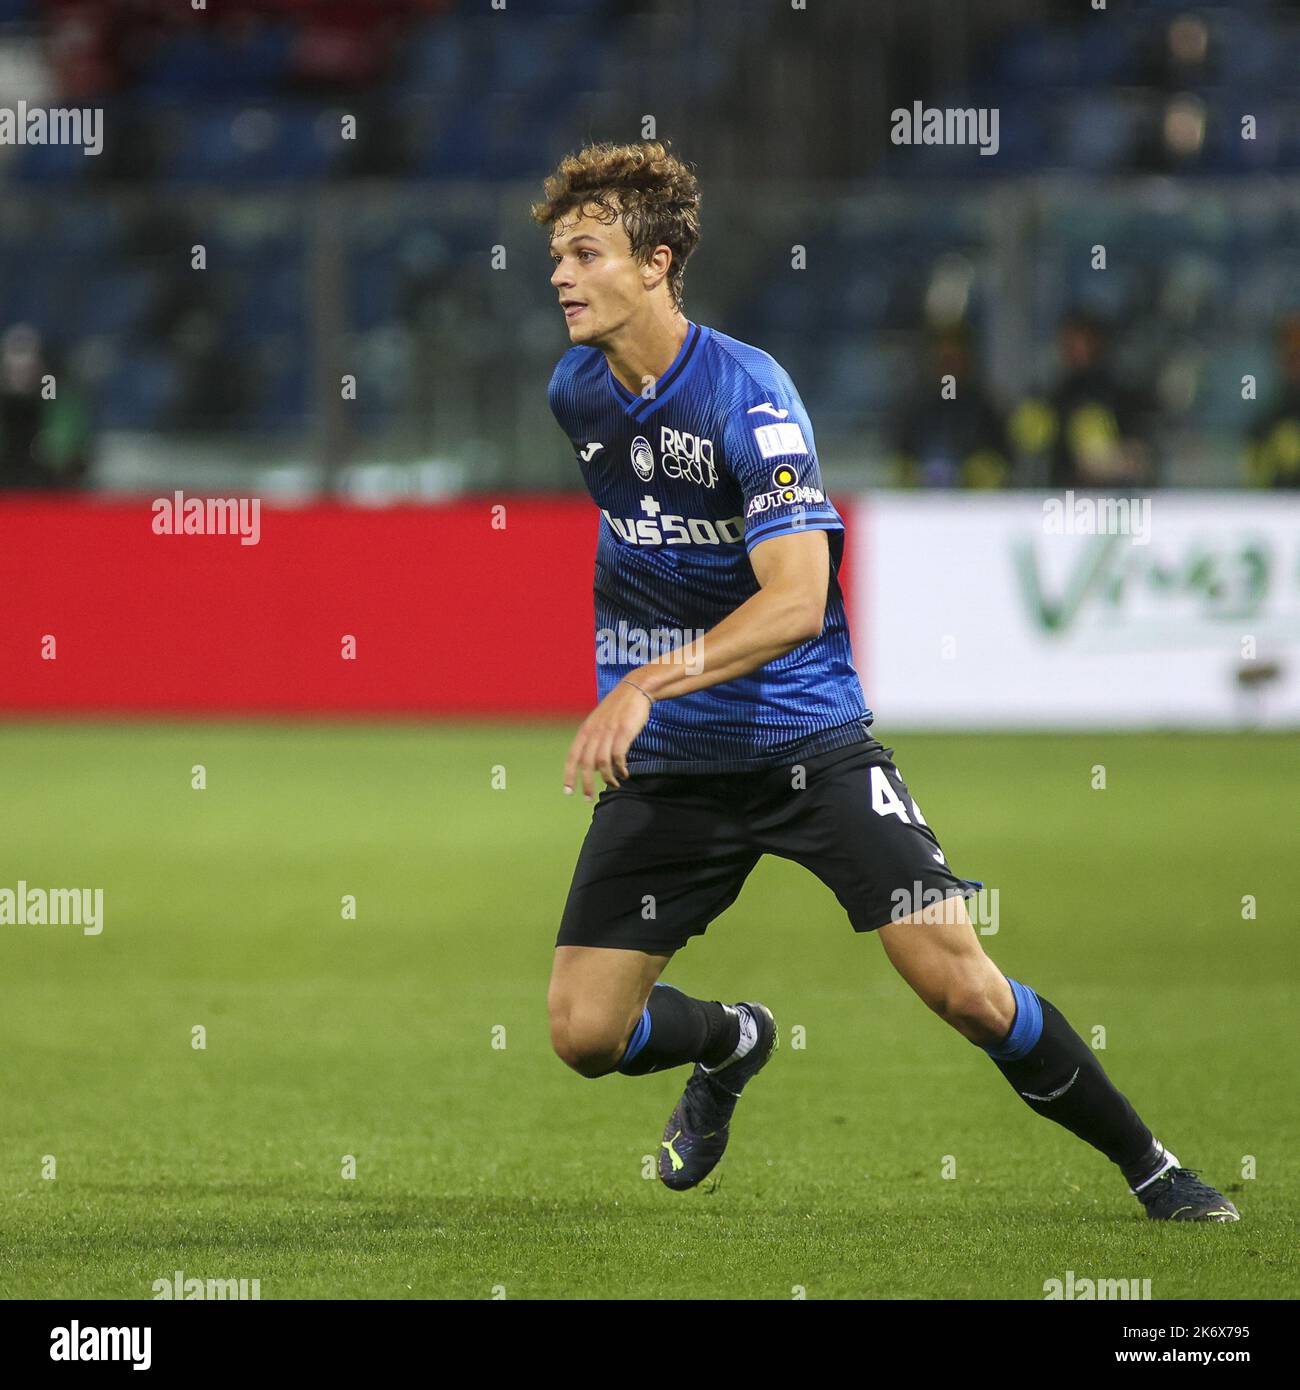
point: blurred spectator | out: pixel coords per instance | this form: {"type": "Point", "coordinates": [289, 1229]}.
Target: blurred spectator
{"type": "Point", "coordinates": [44, 422]}
{"type": "Point", "coordinates": [1180, 57]}
{"type": "Point", "coordinates": [1273, 447]}
{"type": "Point", "coordinates": [1088, 427]}
{"type": "Point", "coordinates": [956, 442]}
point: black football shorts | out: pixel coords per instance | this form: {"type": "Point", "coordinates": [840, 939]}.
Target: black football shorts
{"type": "Point", "coordinates": [667, 853]}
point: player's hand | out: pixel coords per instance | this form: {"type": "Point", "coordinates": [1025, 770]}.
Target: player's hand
{"type": "Point", "coordinates": [602, 742]}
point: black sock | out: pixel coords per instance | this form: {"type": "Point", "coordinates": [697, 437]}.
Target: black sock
{"type": "Point", "coordinates": [675, 1029]}
{"type": "Point", "coordinates": [1060, 1077]}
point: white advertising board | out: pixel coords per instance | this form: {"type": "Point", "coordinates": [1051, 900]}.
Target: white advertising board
{"type": "Point", "coordinates": [1034, 610]}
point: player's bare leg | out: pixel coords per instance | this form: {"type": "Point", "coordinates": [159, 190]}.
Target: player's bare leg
{"type": "Point", "coordinates": [939, 954]}
{"type": "Point", "coordinates": [1053, 1070]}
{"type": "Point", "coordinates": [596, 998]}
{"type": "Point", "coordinates": [610, 1012]}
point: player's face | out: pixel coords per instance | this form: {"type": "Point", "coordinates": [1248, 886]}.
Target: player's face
{"type": "Point", "coordinates": [598, 280]}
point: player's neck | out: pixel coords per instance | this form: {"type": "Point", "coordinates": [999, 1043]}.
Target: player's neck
{"type": "Point", "coordinates": [645, 350]}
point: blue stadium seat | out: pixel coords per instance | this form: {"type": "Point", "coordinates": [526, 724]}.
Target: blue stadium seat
{"type": "Point", "coordinates": [1247, 52]}
{"type": "Point", "coordinates": [138, 393]}
{"type": "Point", "coordinates": [52, 163]}
{"type": "Point", "coordinates": [1224, 147]}
{"type": "Point", "coordinates": [459, 147]}
{"type": "Point", "coordinates": [36, 292]}
{"type": "Point", "coordinates": [1033, 56]}
{"type": "Point", "coordinates": [1106, 52]}
{"type": "Point", "coordinates": [114, 302]}
{"type": "Point", "coordinates": [372, 289]}
{"type": "Point", "coordinates": [270, 298]}
{"type": "Point", "coordinates": [1097, 132]}
{"type": "Point", "coordinates": [284, 391]}
{"type": "Point", "coordinates": [201, 64]}
{"type": "Point", "coordinates": [254, 144]}
{"type": "Point", "coordinates": [437, 57]}
{"type": "Point", "coordinates": [83, 226]}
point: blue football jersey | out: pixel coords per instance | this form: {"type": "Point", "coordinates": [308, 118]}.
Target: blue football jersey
{"type": "Point", "coordinates": [688, 482]}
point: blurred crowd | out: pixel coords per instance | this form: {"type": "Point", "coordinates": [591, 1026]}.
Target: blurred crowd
{"type": "Point", "coordinates": [223, 129]}
{"type": "Point", "coordinates": [1085, 428]}
{"type": "Point", "coordinates": [100, 47]}
{"type": "Point", "coordinates": [45, 430]}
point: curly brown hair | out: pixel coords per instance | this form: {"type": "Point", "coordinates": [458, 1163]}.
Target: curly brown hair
{"type": "Point", "coordinates": [654, 193]}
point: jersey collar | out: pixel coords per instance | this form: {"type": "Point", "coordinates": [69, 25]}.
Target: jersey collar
{"type": "Point", "coordinates": [640, 408]}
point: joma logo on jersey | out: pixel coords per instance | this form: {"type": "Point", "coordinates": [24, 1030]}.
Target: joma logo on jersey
{"type": "Point", "coordinates": [653, 529]}
{"type": "Point", "coordinates": [687, 456]}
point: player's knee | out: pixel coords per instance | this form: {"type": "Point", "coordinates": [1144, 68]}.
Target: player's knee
{"type": "Point", "coordinates": [591, 1048]}
{"type": "Point", "coordinates": [973, 1008]}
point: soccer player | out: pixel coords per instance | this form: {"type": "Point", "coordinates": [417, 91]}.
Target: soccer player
{"type": "Point", "coordinates": [730, 721]}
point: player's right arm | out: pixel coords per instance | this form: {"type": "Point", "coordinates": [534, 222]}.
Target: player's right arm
{"type": "Point", "coordinates": [793, 571]}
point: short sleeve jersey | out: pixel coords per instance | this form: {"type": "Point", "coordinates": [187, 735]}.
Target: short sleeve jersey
{"type": "Point", "coordinates": [688, 480]}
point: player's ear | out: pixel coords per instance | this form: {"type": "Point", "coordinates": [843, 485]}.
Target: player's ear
{"type": "Point", "coordinates": [656, 267]}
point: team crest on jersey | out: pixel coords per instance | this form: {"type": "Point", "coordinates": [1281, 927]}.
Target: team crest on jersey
{"type": "Point", "coordinates": [643, 458]}
{"type": "Point", "coordinates": [687, 456]}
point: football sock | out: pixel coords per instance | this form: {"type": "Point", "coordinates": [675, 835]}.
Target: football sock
{"type": "Point", "coordinates": [675, 1029]}
{"type": "Point", "coordinates": [1160, 1159]}
{"type": "Point", "coordinates": [1058, 1075]}
{"type": "Point", "coordinates": [748, 1037]}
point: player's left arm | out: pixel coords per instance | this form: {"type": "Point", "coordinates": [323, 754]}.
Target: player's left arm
{"type": "Point", "coordinates": [793, 572]}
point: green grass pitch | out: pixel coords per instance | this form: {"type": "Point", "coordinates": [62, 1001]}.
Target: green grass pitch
{"type": "Point", "coordinates": [493, 1171]}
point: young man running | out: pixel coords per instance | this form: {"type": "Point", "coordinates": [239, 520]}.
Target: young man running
{"type": "Point", "coordinates": [753, 739]}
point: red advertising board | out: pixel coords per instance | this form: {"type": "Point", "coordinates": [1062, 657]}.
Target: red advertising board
{"type": "Point", "coordinates": [456, 609]}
